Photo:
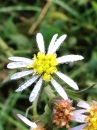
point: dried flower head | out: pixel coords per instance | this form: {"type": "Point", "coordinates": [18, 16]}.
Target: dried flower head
{"type": "Point", "coordinates": [63, 113]}
{"type": "Point", "coordinates": [43, 66]}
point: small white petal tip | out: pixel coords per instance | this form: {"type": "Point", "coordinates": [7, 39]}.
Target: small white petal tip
{"type": "Point", "coordinates": [19, 89]}
{"type": "Point", "coordinates": [80, 57]}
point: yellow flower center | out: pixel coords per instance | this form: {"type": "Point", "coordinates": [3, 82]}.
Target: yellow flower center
{"type": "Point", "coordinates": [92, 118]}
{"type": "Point", "coordinates": [44, 65]}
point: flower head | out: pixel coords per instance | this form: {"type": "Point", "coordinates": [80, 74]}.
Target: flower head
{"type": "Point", "coordinates": [32, 125]}
{"type": "Point", "coordinates": [63, 113]}
{"type": "Point", "coordinates": [43, 66]}
{"type": "Point", "coordinates": [88, 116]}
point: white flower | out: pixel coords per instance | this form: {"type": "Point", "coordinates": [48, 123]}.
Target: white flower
{"type": "Point", "coordinates": [87, 115]}
{"type": "Point", "coordinates": [43, 66]}
{"type": "Point", "coordinates": [28, 122]}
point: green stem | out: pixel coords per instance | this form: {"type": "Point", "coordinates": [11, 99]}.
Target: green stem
{"type": "Point", "coordinates": [5, 48]}
{"type": "Point", "coordinates": [49, 92]}
{"type": "Point", "coordinates": [35, 102]}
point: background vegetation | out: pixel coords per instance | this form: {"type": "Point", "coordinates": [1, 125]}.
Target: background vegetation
{"type": "Point", "coordinates": [20, 20]}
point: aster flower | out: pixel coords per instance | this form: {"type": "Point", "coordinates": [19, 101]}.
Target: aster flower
{"type": "Point", "coordinates": [63, 113]}
{"type": "Point", "coordinates": [43, 67]}
{"type": "Point", "coordinates": [87, 115]}
{"type": "Point", "coordinates": [32, 125]}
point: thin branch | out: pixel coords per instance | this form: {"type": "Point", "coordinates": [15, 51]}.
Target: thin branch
{"type": "Point", "coordinates": [36, 23]}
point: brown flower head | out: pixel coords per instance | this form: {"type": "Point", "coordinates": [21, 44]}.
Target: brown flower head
{"type": "Point", "coordinates": [63, 113]}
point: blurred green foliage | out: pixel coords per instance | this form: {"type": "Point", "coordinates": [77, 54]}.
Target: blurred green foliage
{"type": "Point", "coordinates": [76, 18]}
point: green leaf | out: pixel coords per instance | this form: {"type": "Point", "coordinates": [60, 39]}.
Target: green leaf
{"type": "Point", "coordinates": [19, 8]}
{"type": "Point", "coordinates": [94, 4]}
{"type": "Point", "coordinates": [57, 15]}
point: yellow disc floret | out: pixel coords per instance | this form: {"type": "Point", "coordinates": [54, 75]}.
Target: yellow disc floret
{"type": "Point", "coordinates": [44, 65]}
{"type": "Point", "coordinates": [92, 118]}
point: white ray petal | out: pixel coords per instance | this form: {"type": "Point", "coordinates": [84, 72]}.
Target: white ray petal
{"type": "Point", "coordinates": [59, 89]}
{"type": "Point", "coordinates": [81, 111]}
{"type": "Point", "coordinates": [27, 84]}
{"type": "Point", "coordinates": [15, 58]}
{"type": "Point", "coordinates": [26, 121]}
{"type": "Point", "coordinates": [21, 74]}
{"type": "Point", "coordinates": [58, 43]}
{"type": "Point", "coordinates": [52, 43]}
{"type": "Point", "coordinates": [79, 118]}
{"type": "Point", "coordinates": [79, 127]}
{"type": "Point", "coordinates": [14, 65]}
{"type": "Point", "coordinates": [69, 58]}
{"type": "Point", "coordinates": [40, 42]}
{"type": "Point", "coordinates": [83, 104]}
{"type": "Point", "coordinates": [66, 79]}
{"type": "Point", "coordinates": [35, 90]}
